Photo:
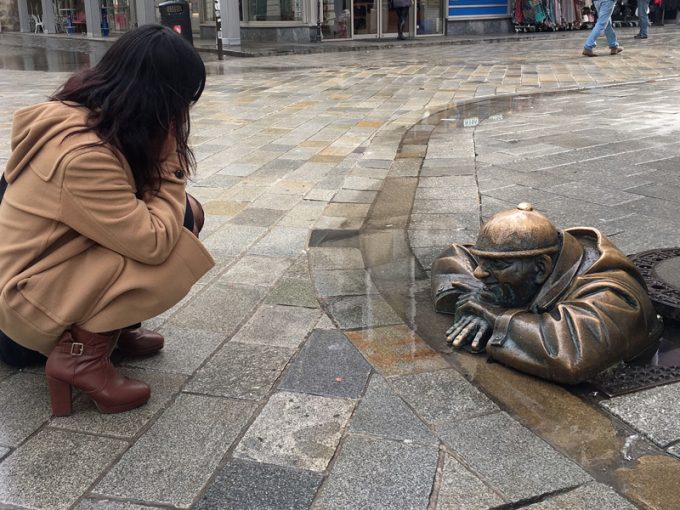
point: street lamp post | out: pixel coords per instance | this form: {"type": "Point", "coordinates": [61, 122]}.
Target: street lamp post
{"type": "Point", "coordinates": [318, 20]}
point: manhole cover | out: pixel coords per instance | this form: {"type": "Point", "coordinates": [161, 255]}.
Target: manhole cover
{"type": "Point", "coordinates": [661, 270]}
{"type": "Point", "coordinates": [631, 378]}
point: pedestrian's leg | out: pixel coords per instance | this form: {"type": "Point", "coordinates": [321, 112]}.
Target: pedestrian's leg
{"type": "Point", "coordinates": [611, 36]}
{"type": "Point", "coordinates": [602, 20]}
{"type": "Point", "coordinates": [642, 6]}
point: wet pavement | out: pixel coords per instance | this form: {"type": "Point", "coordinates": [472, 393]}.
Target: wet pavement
{"type": "Point", "coordinates": [308, 369]}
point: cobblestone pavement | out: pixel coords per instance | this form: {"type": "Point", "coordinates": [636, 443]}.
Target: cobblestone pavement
{"type": "Point", "coordinates": [292, 375]}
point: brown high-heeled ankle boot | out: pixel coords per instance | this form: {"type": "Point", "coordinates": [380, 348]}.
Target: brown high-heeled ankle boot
{"type": "Point", "coordinates": [81, 359]}
{"type": "Point", "coordinates": [138, 341]}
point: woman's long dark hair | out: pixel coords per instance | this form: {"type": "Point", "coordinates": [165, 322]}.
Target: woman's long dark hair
{"type": "Point", "coordinates": [141, 91]}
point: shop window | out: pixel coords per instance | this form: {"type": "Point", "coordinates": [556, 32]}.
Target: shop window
{"type": "Point", "coordinates": [336, 19]}
{"type": "Point", "coordinates": [274, 10]}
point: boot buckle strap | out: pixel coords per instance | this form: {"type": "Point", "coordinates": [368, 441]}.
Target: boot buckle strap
{"type": "Point", "coordinates": [77, 349]}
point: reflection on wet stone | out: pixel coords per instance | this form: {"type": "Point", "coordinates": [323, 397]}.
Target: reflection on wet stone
{"type": "Point", "coordinates": [396, 350]}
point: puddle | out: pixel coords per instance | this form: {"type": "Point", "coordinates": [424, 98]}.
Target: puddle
{"type": "Point", "coordinates": [21, 58]}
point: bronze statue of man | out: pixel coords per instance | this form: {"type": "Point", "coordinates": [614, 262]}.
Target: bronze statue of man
{"type": "Point", "coordinates": [559, 304]}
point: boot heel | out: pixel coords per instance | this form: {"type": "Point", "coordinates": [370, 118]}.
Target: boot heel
{"type": "Point", "coordinates": [60, 397]}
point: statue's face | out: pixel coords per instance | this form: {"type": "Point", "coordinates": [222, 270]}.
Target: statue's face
{"type": "Point", "coordinates": [508, 282]}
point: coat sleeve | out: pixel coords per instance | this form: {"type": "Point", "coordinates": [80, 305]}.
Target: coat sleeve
{"type": "Point", "coordinates": [600, 324]}
{"type": "Point", "coordinates": [99, 202]}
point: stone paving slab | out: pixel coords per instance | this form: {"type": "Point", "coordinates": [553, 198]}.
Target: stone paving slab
{"type": "Point", "coordinates": [175, 458]}
{"type": "Point", "coordinates": [351, 312]}
{"type": "Point", "coordinates": [515, 462]}
{"type": "Point", "coordinates": [244, 485]}
{"type": "Point", "coordinates": [240, 371]}
{"type": "Point", "coordinates": [295, 430]}
{"type": "Point", "coordinates": [327, 365]}
{"type": "Point", "coordinates": [109, 504]}
{"type": "Point", "coordinates": [184, 351]}
{"type": "Point", "coordinates": [382, 413]}
{"type": "Point", "coordinates": [653, 412]}
{"type": "Point", "coordinates": [220, 308]}
{"type": "Point", "coordinates": [74, 459]}
{"type": "Point", "coordinates": [343, 282]}
{"type": "Point", "coordinates": [379, 474]}
{"type": "Point", "coordinates": [24, 406]}
{"type": "Point", "coordinates": [462, 490]}
{"type": "Point", "coordinates": [442, 398]}
{"type": "Point", "coordinates": [295, 291]}
{"type": "Point", "coordinates": [396, 350]}
{"type": "Point", "coordinates": [278, 326]}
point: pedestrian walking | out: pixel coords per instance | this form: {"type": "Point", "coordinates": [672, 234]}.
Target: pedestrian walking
{"type": "Point", "coordinates": [604, 10]}
{"type": "Point", "coordinates": [643, 16]}
{"type": "Point", "coordinates": [98, 230]}
{"type": "Point", "coordinates": [401, 7]}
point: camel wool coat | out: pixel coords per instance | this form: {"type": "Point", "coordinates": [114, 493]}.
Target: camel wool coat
{"type": "Point", "coordinates": [76, 245]}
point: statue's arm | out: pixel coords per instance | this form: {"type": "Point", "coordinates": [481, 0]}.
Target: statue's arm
{"type": "Point", "coordinates": [452, 277]}
{"type": "Point", "coordinates": [579, 337]}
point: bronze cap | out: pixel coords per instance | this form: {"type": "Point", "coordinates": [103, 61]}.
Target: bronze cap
{"type": "Point", "coordinates": [518, 232]}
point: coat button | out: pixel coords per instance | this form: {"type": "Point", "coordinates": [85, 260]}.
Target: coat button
{"type": "Point", "coordinates": [179, 173]}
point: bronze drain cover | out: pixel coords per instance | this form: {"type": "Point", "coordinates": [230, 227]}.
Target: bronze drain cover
{"type": "Point", "coordinates": [661, 270]}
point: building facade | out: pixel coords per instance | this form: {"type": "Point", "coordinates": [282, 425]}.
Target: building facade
{"type": "Point", "coordinates": [262, 20]}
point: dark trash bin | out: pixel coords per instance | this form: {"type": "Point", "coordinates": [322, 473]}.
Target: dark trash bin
{"type": "Point", "coordinates": [176, 14]}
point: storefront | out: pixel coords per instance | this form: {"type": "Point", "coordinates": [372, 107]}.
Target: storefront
{"type": "Point", "coordinates": [467, 17]}
{"type": "Point", "coordinates": [373, 19]}
{"type": "Point", "coordinates": [270, 20]}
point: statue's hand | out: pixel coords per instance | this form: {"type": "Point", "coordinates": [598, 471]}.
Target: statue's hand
{"type": "Point", "coordinates": [487, 311]}
{"type": "Point", "coordinates": [469, 329]}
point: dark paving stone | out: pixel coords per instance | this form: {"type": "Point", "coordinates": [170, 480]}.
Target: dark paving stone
{"type": "Point", "coordinates": [244, 485]}
{"type": "Point", "coordinates": [382, 413]}
{"type": "Point", "coordinates": [329, 365]}
{"type": "Point", "coordinates": [379, 474]}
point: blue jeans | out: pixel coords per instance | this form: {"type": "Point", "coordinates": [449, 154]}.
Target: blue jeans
{"type": "Point", "coordinates": [604, 22]}
{"type": "Point", "coordinates": [642, 6]}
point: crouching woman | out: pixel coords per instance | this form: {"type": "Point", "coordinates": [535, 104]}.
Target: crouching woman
{"type": "Point", "coordinates": [94, 218]}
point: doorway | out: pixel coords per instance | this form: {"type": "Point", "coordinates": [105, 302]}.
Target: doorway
{"type": "Point", "coordinates": [373, 19]}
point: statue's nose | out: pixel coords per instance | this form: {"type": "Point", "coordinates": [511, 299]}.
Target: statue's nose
{"type": "Point", "coordinates": [480, 273]}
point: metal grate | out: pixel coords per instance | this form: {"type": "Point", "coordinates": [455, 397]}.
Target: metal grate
{"type": "Point", "coordinates": [666, 297]}
{"type": "Point", "coordinates": [631, 378]}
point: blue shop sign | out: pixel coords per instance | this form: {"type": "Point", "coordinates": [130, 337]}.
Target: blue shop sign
{"type": "Point", "coordinates": [477, 8]}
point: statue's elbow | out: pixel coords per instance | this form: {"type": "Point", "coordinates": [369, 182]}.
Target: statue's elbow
{"type": "Point", "coordinates": [571, 371]}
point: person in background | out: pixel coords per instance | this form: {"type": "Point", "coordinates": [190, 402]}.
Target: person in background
{"type": "Point", "coordinates": [643, 15]}
{"type": "Point", "coordinates": [604, 23]}
{"type": "Point", "coordinates": [401, 7]}
{"type": "Point", "coordinates": [98, 230]}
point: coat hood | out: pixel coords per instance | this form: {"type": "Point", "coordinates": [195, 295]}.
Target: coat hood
{"type": "Point", "coordinates": [35, 126]}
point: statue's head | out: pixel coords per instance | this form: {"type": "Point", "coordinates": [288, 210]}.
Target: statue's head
{"type": "Point", "coordinates": [516, 251]}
